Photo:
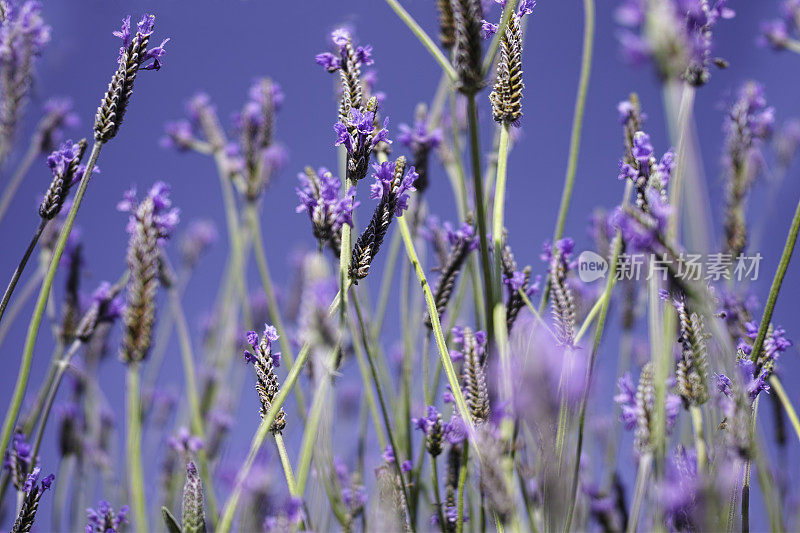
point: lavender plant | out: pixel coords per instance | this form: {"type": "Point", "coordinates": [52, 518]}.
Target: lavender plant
{"type": "Point", "coordinates": [515, 431]}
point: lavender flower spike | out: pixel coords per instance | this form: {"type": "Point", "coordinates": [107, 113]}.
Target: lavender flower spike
{"type": "Point", "coordinates": [264, 362]}
{"type": "Point", "coordinates": [23, 35]}
{"type": "Point", "coordinates": [391, 189]}
{"type": "Point", "coordinates": [65, 165]}
{"type": "Point", "coordinates": [319, 197]}
{"type": "Point", "coordinates": [33, 491]}
{"type": "Point", "coordinates": [104, 518]}
{"type": "Point", "coordinates": [133, 55]}
{"type": "Point", "coordinates": [150, 222]}
{"type": "Point", "coordinates": [193, 518]}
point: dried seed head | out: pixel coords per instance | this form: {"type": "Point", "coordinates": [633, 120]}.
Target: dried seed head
{"type": "Point", "coordinates": [447, 29]}
{"type": "Point", "coordinates": [506, 97]}
{"type": "Point", "coordinates": [151, 221]}
{"type": "Point", "coordinates": [562, 301]}
{"type": "Point", "coordinates": [468, 18]}
{"type": "Point", "coordinates": [691, 374]}
{"type": "Point", "coordinates": [193, 518]}
{"type": "Point", "coordinates": [473, 372]}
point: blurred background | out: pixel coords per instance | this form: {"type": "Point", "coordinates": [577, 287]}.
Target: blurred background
{"type": "Point", "coordinates": [221, 46]}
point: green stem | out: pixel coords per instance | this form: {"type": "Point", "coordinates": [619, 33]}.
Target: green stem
{"type": "Point", "coordinates": [134, 447]}
{"type": "Point", "coordinates": [19, 303]}
{"type": "Point", "coordinates": [577, 128]}
{"type": "Point", "coordinates": [190, 377]}
{"type": "Point", "coordinates": [22, 170]}
{"type": "Point", "coordinates": [477, 185]}
{"type": "Point", "coordinates": [643, 473]}
{"type": "Point", "coordinates": [229, 510]}
{"type": "Point", "coordinates": [310, 434]}
{"type": "Point", "coordinates": [786, 402]}
{"type": "Point", "coordinates": [447, 363]}
{"type": "Point", "coordinates": [462, 481]}
{"type": "Point", "coordinates": [18, 271]}
{"type": "Point", "coordinates": [382, 403]}
{"type": "Point", "coordinates": [604, 303]}
{"type": "Point", "coordinates": [699, 440]}
{"type": "Point", "coordinates": [287, 466]}
{"type": "Point", "coordinates": [41, 302]}
{"type": "Point", "coordinates": [677, 178]}
{"type": "Point", "coordinates": [423, 37]}
{"type": "Point", "coordinates": [747, 469]}
{"type": "Point", "coordinates": [777, 281]}
{"type": "Point", "coordinates": [272, 300]}
{"type": "Point", "coordinates": [436, 493]}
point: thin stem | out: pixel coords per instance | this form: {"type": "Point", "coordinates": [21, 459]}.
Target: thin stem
{"type": "Point", "coordinates": [641, 488]}
{"type": "Point", "coordinates": [423, 37]}
{"type": "Point", "coordinates": [272, 300]}
{"type": "Point", "coordinates": [61, 367]}
{"type": "Point", "coordinates": [699, 440]}
{"type": "Point", "coordinates": [229, 510]}
{"type": "Point", "coordinates": [134, 447]}
{"type": "Point", "coordinates": [310, 433]}
{"type": "Point", "coordinates": [462, 481]}
{"type": "Point", "coordinates": [786, 402]}
{"type": "Point", "coordinates": [19, 303]}
{"type": "Point", "coordinates": [436, 493]}
{"type": "Point", "coordinates": [591, 315]}
{"type": "Point", "coordinates": [287, 466]}
{"type": "Point", "coordinates": [447, 363]}
{"type": "Point", "coordinates": [190, 377]}
{"type": "Point", "coordinates": [386, 284]}
{"type": "Point", "coordinates": [18, 272]}
{"type": "Point", "coordinates": [34, 149]}
{"type": "Point", "coordinates": [577, 128]}
{"type": "Point", "coordinates": [41, 302]}
{"type": "Point", "coordinates": [604, 303]}
{"type": "Point", "coordinates": [500, 200]}
{"type": "Point", "coordinates": [677, 178]}
{"type": "Point", "coordinates": [477, 185]}
{"type": "Point", "coordinates": [382, 403]}
{"type": "Point", "coordinates": [747, 468]}
{"type": "Point", "coordinates": [777, 281]}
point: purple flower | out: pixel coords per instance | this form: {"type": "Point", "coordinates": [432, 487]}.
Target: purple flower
{"type": "Point", "coordinates": [387, 189]}
{"type": "Point", "coordinates": [359, 134]}
{"type": "Point", "coordinates": [178, 135]}
{"type": "Point", "coordinates": [165, 217]}
{"type": "Point", "coordinates": [341, 38]}
{"type": "Point", "coordinates": [626, 399]}
{"type": "Point", "coordinates": [489, 29]}
{"type": "Point", "coordinates": [388, 454]}
{"type": "Point", "coordinates": [419, 137]}
{"type": "Point", "coordinates": [455, 431]}
{"type": "Point", "coordinates": [104, 519]}
{"type": "Point", "coordinates": [185, 443]}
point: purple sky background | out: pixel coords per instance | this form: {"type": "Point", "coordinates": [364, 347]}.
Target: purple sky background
{"type": "Point", "coordinates": [220, 46]}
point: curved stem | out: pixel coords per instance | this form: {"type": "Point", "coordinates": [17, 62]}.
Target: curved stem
{"type": "Point", "coordinates": [423, 37]}
{"type": "Point", "coordinates": [777, 281]}
{"type": "Point", "coordinates": [272, 300]}
{"type": "Point", "coordinates": [577, 128]}
{"type": "Point", "coordinates": [786, 402]}
{"type": "Point", "coordinates": [229, 510]}
{"type": "Point", "coordinates": [41, 302]}
{"type": "Point", "coordinates": [134, 447]}
{"type": "Point", "coordinates": [447, 363]}
{"type": "Point", "coordinates": [18, 272]}
{"type": "Point", "coordinates": [19, 174]}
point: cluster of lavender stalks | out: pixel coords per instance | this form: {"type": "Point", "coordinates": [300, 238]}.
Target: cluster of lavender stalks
{"type": "Point", "coordinates": [477, 418]}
